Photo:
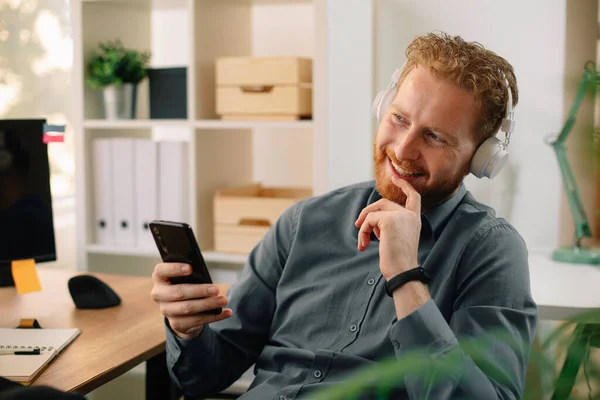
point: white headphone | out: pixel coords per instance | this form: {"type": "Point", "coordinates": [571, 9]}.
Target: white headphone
{"type": "Point", "coordinates": [5, 156]}
{"type": "Point", "coordinates": [489, 158]}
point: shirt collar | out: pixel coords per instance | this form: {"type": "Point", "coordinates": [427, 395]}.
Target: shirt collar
{"type": "Point", "coordinates": [437, 215]}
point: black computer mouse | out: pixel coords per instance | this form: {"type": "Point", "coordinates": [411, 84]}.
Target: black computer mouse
{"type": "Point", "coordinates": [89, 292]}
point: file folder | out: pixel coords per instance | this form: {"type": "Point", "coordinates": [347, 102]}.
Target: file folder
{"type": "Point", "coordinates": [123, 190]}
{"type": "Point", "coordinates": [102, 163]}
{"type": "Point", "coordinates": [146, 190]}
{"type": "Point", "coordinates": [173, 181]}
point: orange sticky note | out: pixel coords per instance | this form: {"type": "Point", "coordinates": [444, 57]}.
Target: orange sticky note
{"type": "Point", "coordinates": [25, 276]}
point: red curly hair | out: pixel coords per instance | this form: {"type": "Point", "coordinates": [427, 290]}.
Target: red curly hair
{"type": "Point", "coordinates": [469, 66]}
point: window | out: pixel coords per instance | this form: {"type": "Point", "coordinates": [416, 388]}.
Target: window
{"type": "Point", "coordinates": [36, 57]}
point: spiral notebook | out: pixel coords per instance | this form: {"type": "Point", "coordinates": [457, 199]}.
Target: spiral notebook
{"type": "Point", "coordinates": [25, 368]}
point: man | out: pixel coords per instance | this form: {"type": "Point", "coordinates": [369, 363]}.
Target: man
{"type": "Point", "coordinates": [311, 305]}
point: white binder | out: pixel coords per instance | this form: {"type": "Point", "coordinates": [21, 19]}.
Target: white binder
{"type": "Point", "coordinates": [103, 191]}
{"type": "Point", "coordinates": [123, 190]}
{"type": "Point", "coordinates": [146, 190]}
{"type": "Point", "coordinates": [173, 181]}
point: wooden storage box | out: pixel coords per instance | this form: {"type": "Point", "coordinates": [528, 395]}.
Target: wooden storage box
{"type": "Point", "coordinates": [242, 215]}
{"type": "Point", "coordinates": [267, 88]}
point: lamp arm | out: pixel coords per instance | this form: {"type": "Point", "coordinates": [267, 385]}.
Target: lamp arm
{"type": "Point", "coordinates": [582, 227]}
{"type": "Point", "coordinates": [588, 76]}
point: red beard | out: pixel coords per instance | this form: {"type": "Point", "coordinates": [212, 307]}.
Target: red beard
{"type": "Point", "coordinates": [431, 194]}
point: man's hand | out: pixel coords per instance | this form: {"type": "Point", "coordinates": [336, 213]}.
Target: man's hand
{"type": "Point", "coordinates": [397, 228]}
{"type": "Point", "coordinates": [184, 304]}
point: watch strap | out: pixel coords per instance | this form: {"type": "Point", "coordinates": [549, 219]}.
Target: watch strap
{"type": "Point", "coordinates": [415, 274]}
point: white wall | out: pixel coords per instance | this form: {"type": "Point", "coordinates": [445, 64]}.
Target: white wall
{"type": "Point", "coordinates": [531, 36]}
{"type": "Point", "coordinates": [343, 76]}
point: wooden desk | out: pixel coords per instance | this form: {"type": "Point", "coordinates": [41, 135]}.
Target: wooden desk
{"type": "Point", "coordinates": [112, 340]}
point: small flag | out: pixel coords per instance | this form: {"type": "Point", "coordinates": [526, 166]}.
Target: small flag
{"type": "Point", "coordinates": [54, 133]}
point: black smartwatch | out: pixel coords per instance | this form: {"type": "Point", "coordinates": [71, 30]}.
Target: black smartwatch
{"type": "Point", "coordinates": [415, 274]}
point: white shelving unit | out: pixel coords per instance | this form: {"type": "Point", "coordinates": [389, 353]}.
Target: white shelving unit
{"type": "Point", "coordinates": [209, 256]}
{"type": "Point", "coordinates": [192, 34]}
{"type": "Point", "coordinates": [133, 124]}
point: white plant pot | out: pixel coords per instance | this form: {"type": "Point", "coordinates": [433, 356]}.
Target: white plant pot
{"type": "Point", "coordinates": [120, 101]}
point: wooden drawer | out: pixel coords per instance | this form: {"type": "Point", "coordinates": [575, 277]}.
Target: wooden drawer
{"type": "Point", "coordinates": [242, 215]}
{"type": "Point", "coordinates": [253, 71]}
{"type": "Point", "coordinates": [280, 102]}
{"type": "Point", "coordinates": [238, 239]}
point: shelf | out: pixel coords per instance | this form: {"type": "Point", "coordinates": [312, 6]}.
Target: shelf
{"type": "Point", "coordinates": [209, 256]}
{"type": "Point", "coordinates": [121, 250]}
{"type": "Point", "coordinates": [224, 124]}
{"type": "Point", "coordinates": [139, 4]}
{"type": "Point", "coordinates": [201, 124]}
{"type": "Point", "coordinates": [241, 1]}
{"type": "Point", "coordinates": [134, 123]}
{"type": "Point", "coordinates": [227, 258]}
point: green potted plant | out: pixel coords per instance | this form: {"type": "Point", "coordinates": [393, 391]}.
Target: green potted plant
{"type": "Point", "coordinates": [117, 71]}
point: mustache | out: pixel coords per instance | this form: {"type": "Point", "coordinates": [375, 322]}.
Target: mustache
{"type": "Point", "coordinates": [408, 166]}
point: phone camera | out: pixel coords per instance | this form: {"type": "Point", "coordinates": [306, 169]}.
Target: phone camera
{"type": "Point", "coordinates": [165, 249]}
{"type": "Point", "coordinates": [155, 230]}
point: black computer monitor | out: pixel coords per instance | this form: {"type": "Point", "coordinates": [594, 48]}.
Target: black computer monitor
{"type": "Point", "coordinates": [26, 219]}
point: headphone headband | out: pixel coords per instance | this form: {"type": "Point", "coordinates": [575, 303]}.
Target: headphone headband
{"type": "Point", "coordinates": [508, 122]}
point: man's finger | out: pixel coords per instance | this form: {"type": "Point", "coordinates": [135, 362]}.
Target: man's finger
{"type": "Point", "coordinates": [413, 198]}
{"type": "Point", "coordinates": [379, 205]}
{"type": "Point", "coordinates": [368, 225]}
{"type": "Point", "coordinates": [183, 291]}
{"type": "Point", "coordinates": [191, 307]}
{"type": "Point", "coordinates": [188, 323]}
{"type": "Point", "coordinates": [164, 271]}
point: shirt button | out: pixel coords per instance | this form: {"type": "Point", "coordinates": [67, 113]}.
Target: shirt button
{"type": "Point", "coordinates": [353, 328]}
{"type": "Point", "coordinates": [317, 374]}
{"type": "Point", "coordinates": [371, 281]}
{"type": "Point", "coordinates": [282, 398]}
{"type": "Point", "coordinates": [396, 344]}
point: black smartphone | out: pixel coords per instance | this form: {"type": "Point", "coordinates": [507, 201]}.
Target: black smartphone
{"type": "Point", "coordinates": [177, 244]}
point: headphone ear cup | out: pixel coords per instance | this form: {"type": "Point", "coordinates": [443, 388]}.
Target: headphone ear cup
{"type": "Point", "coordinates": [382, 102]}
{"type": "Point", "coordinates": [489, 159]}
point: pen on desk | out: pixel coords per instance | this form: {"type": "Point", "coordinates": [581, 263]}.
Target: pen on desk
{"type": "Point", "coordinates": [35, 351]}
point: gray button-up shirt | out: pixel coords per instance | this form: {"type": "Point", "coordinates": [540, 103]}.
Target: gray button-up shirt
{"type": "Point", "coordinates": [309, 308]}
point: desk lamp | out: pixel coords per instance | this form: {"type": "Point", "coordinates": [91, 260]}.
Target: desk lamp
{"type": "Point", "coordinates": [575, 254]}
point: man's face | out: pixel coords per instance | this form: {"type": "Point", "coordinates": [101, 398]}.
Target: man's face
{"type": "Point", "coordinates": [427, 138]}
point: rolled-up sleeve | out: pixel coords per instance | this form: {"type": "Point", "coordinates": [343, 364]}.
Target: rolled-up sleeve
{"type": "Point", "coordinates": [491, 330]}
{"type": "Point", "coordinates": [224, 350]}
